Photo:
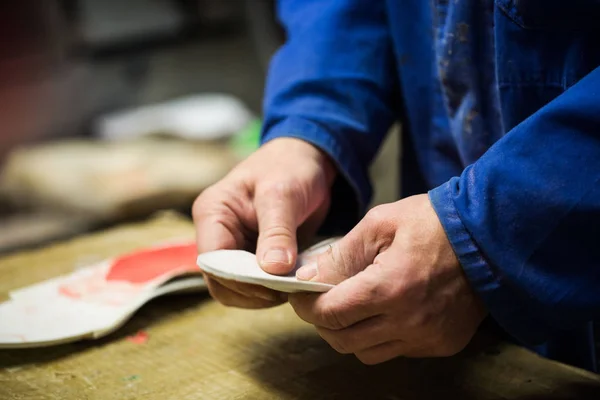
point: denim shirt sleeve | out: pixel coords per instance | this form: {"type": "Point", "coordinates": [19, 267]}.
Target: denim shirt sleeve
{"type": "Point", "coordinates": [524, 220]}
{"type": "Point", "coordinates": [332, 84]}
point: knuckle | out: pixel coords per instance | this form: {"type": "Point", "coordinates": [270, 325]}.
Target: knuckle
{"type": "Point", "coordinates": [331, 318]}
{"type": "Point", "coordinates": [282, 188]}
{"type": "Point", "coordinates": [424, 320]}
{"type": "Point", "coordinates": [346, 344]}
{"type": "Point", "coordinates": [301, 305]}
{"type": "Point", "coordinates": [339, 345]}
{"type": "Point", "coordinates": [337, 340]}
{"type": "Point", "coordinates": [199, 203]}
{"type": "Point", "coordinates": [300, 312]}
{"type": "Point", "coordinates": [206, 201]}
{"type": "Point", "coordinates": [377, 214]}
{"type": "Point", "coordinates": [287, 189]}
{"type": "Point", "coordinates": [277, 230]}
{"type": "Point", "coordinates": [373, 288]}
{"type": "Point", "coordinates": [382, 223]}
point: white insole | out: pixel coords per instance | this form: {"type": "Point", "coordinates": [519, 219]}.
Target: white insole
{"type": "Point", "coordinates": [242, 266]}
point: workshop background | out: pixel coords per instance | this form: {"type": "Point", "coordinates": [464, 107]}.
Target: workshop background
{"type": "Point", "coordinates": [113, 110]}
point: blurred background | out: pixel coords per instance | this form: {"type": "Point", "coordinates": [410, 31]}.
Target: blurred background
{"type": "Point", "coordinates": [112, 110]}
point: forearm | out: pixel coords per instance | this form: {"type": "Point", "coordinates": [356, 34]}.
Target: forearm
{"type": "Point", "coordinates": [524, 220]}
{"type": "Point", "coordinates": [332, 83]}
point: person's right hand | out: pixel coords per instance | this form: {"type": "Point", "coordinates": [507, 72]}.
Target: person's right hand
{"type": "Point", "coordinates": [279, 192]}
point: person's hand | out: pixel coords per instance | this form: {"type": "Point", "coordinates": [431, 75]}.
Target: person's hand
{"type": "Point", "coordinates": [276, 196]}
{"type": "Point", "coordinates": [400, 289]}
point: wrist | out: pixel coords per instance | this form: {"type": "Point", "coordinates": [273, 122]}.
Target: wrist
{"type": "Point", "coordinates": [311, 151]}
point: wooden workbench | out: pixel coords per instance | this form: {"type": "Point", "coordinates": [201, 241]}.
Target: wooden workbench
{"type": "Point", "coordinates": [198, 349]}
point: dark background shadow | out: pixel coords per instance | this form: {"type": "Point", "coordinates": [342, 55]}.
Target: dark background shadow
{"type": "Point", "coordinates": [302, 366]}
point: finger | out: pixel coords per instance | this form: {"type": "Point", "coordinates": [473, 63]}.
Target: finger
{"type": "Point", "coordinates": [213, 235]}
{"type": "Point", "coordinates": [350, 255]}
{"type": "Point", "coordinates": [217, 225]}
{"type": "Point", "coordinates": [248, 290]}
{"type": "Point", "coordinates": [383, 352]}
{"type": "Point", "coordinates": [361, 297]}
{"type": "Point", "coordinates": [230, 298]}
{"type": "Point", "coordinates": [224, 217]}
{"type": "Point", "coordinates": [278, 213]}
{"type": "Point", "coordinates": [360, 336]}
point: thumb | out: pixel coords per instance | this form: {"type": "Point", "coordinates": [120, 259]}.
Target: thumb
{"type": "Point", "coordinates": [344, 258]}
{"type": "Point", "coordinates": [278, 215]}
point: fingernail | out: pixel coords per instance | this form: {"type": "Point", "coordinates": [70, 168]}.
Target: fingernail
{"type": "Point", "coordinates": [307, 272]}
{"type": "Point", "coordinates": [277, 256]}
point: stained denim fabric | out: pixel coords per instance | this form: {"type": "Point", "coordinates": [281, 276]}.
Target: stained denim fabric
{"type": "Point", "coordinates": [500, 105]}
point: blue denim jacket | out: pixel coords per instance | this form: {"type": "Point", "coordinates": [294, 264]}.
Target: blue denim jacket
{"type": "Point", "coordinates": [500, 104]}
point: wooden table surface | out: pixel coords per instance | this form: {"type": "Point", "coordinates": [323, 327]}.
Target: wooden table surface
{"type": "Point", "coordinates": [198, 349]}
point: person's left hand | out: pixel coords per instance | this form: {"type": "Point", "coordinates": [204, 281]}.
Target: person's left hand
{"type": "Point", "coordinates": [400, 289]}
